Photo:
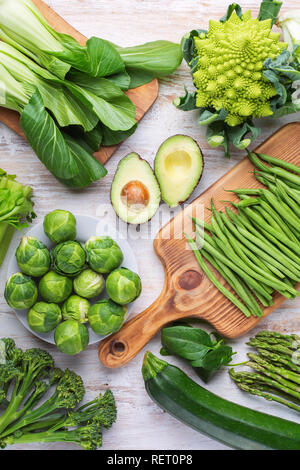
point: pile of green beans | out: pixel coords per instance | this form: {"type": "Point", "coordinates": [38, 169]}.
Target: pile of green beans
{"type": "Point", "coordinates": [255, 248]}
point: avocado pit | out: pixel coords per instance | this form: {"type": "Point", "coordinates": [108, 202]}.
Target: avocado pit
{"type": "Point", "coordinates": [135, 195]}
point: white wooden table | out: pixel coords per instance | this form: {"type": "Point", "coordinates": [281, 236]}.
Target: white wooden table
{"type": "Point", "coordinates": [141, 424]}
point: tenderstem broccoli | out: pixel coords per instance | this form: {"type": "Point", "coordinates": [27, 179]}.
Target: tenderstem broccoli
{"type": "Point", "coordinates": [25, 377]}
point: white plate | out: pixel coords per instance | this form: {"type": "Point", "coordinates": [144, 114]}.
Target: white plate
{"type": "Point", "coordinates": [86, 227]}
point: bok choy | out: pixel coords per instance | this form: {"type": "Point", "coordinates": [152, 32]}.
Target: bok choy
{"type": "Point", "coordinates": [16, 209]}
{"type": "Point", "coordinates": [71, 97]}
{"type": "Point", "coordinates": [67, 160]}
{"type": "Point", "coordinates": [23, 26]}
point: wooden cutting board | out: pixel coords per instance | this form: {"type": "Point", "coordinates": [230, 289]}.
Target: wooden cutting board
{"type": "Point", "coordinates": [187, 292]}
{"type": "Point", "coordinates": [143, 97]}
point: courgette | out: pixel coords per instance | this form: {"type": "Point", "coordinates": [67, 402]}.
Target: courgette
{"type": "Point", "coordinates": [236, 426]}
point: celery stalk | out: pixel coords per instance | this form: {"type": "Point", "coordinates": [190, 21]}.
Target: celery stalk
{"type": "Point", "coordinates": [6, 234]}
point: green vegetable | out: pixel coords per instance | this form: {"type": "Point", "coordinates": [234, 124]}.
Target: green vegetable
{"type": "Point", "coordinates": [60, 226]}
{"type": "Point", "coordinates": [224, 421]}
{"type": "Point", "coordinates": [67, 109]}
{"type": "Point", "coordinates": [197, 346]}
{"type": "Point", "coordinates": [89, 284]}
{"type": "Point", "coordinates": [60, 53]}
{"type": "Point", "coordinates": [241, 71]}
{"type": "Point", "coordinates": [26, 377]}
{"type": "Point", "coordinates": [123, 286]}
{"type": "Point", "coordinates": [64, 156]}
{"type": "Point", "coordinates": [33, 257]}
{"type": "Point", "coordinates": [69, 258]}
{"type": "Point", "coordinates": [15, 207]}
{"type": "Point", "coordinates": [49, 75]}
{"type": "Point", "coordinates": [20, 291]}
{"type": "Point", "coordinates": [71, 337]}
{"type": "Point", "coordinates": [151, 60]}
{"type": "Point", "coordinates": [44, 317]}
{"type": "Point", "coordinates": [277, 373]}
{"type": "Point", "coordinates": [76, 308]}
{"type": "Point", "coordinates": [106, 317]}
{"type": "Point", "coordinates": [103, 254]}
{"type": "Point", "coordinates": [55, 288]}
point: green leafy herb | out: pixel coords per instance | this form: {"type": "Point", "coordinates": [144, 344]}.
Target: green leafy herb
{"type": "Point", "coordinates": [205, 354]}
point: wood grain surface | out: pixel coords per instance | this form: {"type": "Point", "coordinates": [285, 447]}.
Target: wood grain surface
{"type": "Point", "coordinates": [143, 97]}
{"type": "Point", "coordinates": [141, 424]}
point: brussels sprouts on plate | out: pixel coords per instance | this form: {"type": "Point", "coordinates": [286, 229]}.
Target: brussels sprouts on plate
{"type": "Point", "coordinates": [71, 337]}
{"type": "Point", "coordinates": [123, 286]}
{"type": "Point", "coordinates": [76, 308]}
{"type": "Point", "coordinates": [44, 317]}
{"type": "Point", "coordinates": [60, 226]}
{"type": "Point", "coordinates": [69, 258]}
{"type": "Point", "coordinates": [55, 288]}
{"type": "Point", "coordinates": [103, 254]}
{"type": "Point", "coordinates": [33, 257]}
{"type": "Point", "coordinates": [106, 317]}
{"type": "Point", "coordinates": [20, 291]}
{"type": "Point", "coordinates": [89, 284]}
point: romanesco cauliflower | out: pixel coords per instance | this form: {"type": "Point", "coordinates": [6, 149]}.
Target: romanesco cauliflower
{"type": "Point", "coordinates": [241, 71]}
{"type": "Point", "coordinates": [230, 68]}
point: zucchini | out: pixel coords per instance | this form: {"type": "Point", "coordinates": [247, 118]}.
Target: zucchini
{"type": "Point", "coordinates": [236, 426]}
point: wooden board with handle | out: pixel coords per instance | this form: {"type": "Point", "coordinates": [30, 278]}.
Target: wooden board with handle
{"type": "Point", "coordinates": [187, 292]}
{"type": "Point", "coordinates": [143, 97]}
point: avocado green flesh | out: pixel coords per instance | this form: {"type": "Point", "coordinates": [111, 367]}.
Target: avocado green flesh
{"type": "Point", "coordinates": [178, 169]}
{"type": "Point", "coordinates": [133, 168]}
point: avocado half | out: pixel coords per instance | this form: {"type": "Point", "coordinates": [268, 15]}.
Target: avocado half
{"type": "Point", "coordinates": [135, 193]}
{"type": "Point", "coordinates": [178, 168]}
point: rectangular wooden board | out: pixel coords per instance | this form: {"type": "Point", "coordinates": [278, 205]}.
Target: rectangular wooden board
{"type": "Point", "coordinates": [143, 97]}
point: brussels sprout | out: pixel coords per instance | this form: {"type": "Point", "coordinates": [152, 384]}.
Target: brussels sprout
{"type": "Point", "coordinates": [33, 257]}
{"type": "Point", "coordinates": [123, 286]}
{"type": "Point", "coordinates": [60, 226]}
{"type": "Point", "coordinates": [103, 254]}
{"type": "Point", "coordinates": [106, 317]}
{"type": "Point", "coordinates": [20, 292]}
{"type": "Point", "coordinates": [89, 284]}
{"type": "Point", "coordinates": [68, 258]}
{"type": "Point", "coordinates": [76, 308]}
{"type": "Point", "coordinates": [71, 337]}
{"type": "Point", "coordinates": [55, 288]}
{"type": "Point", "coordinates": [44, 317]}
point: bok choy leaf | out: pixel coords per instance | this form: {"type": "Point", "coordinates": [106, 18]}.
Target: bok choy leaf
{"type": "Point", "coordinates": [151, 60]}
{"type": "Point", "coordinates": [66, 108]}
{"type": "Point", "coordinates": [67, 160]}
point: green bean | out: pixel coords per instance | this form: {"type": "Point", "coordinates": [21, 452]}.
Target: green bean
{"type": "Point", "coordinates": [272, 179]}
{"type": "Point", "coordinates": [287, 199]}
{"type": "Point", "coordinates": [252, 281]}
{"type": "Point", "coordinates": [265, 232]}
{"type": "Point", "coordinates": [293, 244]}
{"type": "Point", "coordinates": [236, 284]}
{"type": "Point", "coordinates": [215, 281]}
{"type": "Point", "coordinates": [279, 162]}
{"type": "Point", "coordinates": [294, 259]}
{"type": "Point", "coordinates": [275, 257]}
{"type": "Point", "coordinates": [240, 191]}
{"type": "Point", "coordinates": [255, 245]}
{"type": "Point", "coordinates": [275, 170]}
{"type": "Point", "coordinates": [282, 208]}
